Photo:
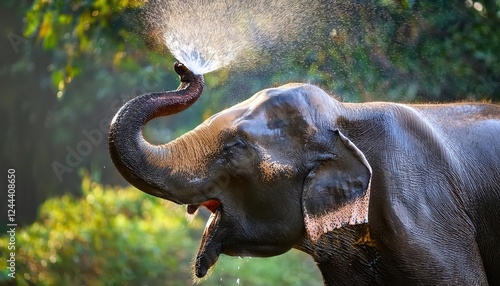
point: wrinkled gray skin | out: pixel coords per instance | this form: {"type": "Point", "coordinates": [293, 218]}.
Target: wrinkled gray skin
{"type": "Point", "coordinates": [376, 193]}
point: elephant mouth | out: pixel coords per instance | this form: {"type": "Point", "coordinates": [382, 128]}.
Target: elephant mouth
{"type": "Point", "coordinates": [211, 205]}
{"type": "Point", "coordinates": [211, 244]}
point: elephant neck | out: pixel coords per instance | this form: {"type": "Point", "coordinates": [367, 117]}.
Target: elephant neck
{"type": "Point", "coordinates": [345, 256]}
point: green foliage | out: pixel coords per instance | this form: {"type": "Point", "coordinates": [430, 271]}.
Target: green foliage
{"type": "Point", "coordinates": [399, 51]}
{"type": "Point", "coordinates": [113, 236]}
{"type": "Point", "coordinates": [74, 30]}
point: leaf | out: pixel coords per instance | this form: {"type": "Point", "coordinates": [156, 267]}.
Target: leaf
{"type": "Point", "coordinates": [57, 78]}
{"type": "Point", "coordinates": [46, 27]}
{"type": "Point", "coordinates": [32, 23]}
{"type": "Point", "coordinates": [50, 40]}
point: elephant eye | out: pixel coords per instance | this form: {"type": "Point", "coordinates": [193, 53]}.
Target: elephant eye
{"type": "Point", "coordinates": [237, 143]}
{"type": "Point", "coordinates": [239, 155]}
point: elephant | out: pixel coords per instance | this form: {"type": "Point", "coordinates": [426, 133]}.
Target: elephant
{"type": "Point", "coordinates": [377, 193]}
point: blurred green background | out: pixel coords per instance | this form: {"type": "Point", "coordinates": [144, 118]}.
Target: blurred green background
{"type": "Point", "coordinates": [67, 66]}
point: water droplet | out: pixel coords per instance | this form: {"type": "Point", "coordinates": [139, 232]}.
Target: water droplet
{"type": "Point", "coordinates": [478, 6]}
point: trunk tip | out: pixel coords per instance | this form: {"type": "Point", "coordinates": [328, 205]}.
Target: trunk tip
{"type": "Point", "coordinates": [182, 70]}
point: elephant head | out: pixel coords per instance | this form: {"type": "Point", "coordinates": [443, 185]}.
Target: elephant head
{"type": "Point", "coordinates": [273, 170]}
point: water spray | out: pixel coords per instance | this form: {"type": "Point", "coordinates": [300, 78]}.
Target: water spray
{"type": "Point", "coordinates": [208, 35]}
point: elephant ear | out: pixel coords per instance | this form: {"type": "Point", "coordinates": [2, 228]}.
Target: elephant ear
{"type": "Point", "coordinates": [337, 191]}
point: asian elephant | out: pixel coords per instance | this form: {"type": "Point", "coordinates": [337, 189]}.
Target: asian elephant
{"type": "Point", "coordinates": [377, 193]}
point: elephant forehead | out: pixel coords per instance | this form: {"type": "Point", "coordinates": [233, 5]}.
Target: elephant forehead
{"type": "Point", "coordinates": [303, 98]}
{"type": "Point", "coordinates": [285, 102]}
{"type": "Point", "coordinates": [286, 92]}
{"type": "Point", "coordinates": [225, 117]}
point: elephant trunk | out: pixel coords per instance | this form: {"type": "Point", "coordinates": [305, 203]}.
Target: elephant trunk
{"type": "Point", "coordinates": [139, 162]}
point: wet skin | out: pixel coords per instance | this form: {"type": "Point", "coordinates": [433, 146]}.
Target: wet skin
{"type": "Point", "coordinates": [376, 193]}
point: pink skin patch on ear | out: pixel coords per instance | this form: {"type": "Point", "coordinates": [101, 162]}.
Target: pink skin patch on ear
{"type": "Point", "coordinates": [352, 213]}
